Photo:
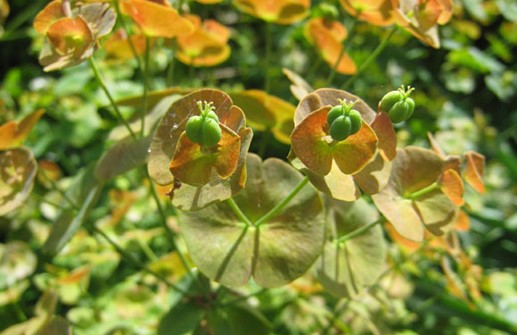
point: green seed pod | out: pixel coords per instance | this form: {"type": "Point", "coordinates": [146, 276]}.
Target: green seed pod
{"type": "Point", "coordinates": [402, 110]}
{"type": "Point", "coordinates": [211, 114]}
{"type": "Point", "coordinates": [340, 128]}
{"type": "Point", "coordinates": [390, 99]}
{"type": "Point", "coordinates": [203, 130]}
{"type": "Point", "coordinates": [356, 121]}
{"type": "Point", "coordinates": [334, 113]}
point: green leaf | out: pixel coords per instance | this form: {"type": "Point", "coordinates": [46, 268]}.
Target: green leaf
{"type": "Point", "coordinates": [125, 155]}
{"type": "Point", "coordinates": [347, 266]}
{"type": "Point", "coordinates": [181, 318]}
{"type": "Point", "coordinates": [17, 171]}
{"type": "Point", "coordinates": [276, 252]}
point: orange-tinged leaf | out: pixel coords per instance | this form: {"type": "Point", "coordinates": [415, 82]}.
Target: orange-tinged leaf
{"type": "Point", "coordinates": [437, 212]}
{"type": "Point", "coordinates": [336, 184]}
{"type": "Point", "coordinates": [156, 20]}
{"type": "Point", "coordinates": [352, 154]}
{"type": "Point", "coordinates": [118, 45]}
{"type": "Point", "coordinates": [70, 36]}
{"type": "Point", "coordinates": [463, 222]}
{"type": "Point", "coordinates": [13, 134]}
{"type": "Point", "coordinates": [310, 142]}
{"type": "Point", "coordinates": [474, 170]}
{"type": "Point", "coordinates": [277, 11]}
{"type": "Point", "coordinates": [377, 12]}
{"type": "Point", "coordinates": [192, 164]}
{"type": "Point", "coordinates": [48, 16]}
{"type": "Point", "coordinates": [452, 185]}
{"type": "Point", "coordinates": [375, 175]}
{"type": "Point", "coordinates": [408, 245]}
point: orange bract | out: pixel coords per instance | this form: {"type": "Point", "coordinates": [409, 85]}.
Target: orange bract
{"type": "Point", "coordinates": [155, 19]}
{"type": "Point", "coordinates": [71, 33]}
{"type": "Point", "coordinates": [277, 11]}
{"type": "Point", "coordinates": [206, 46]}
{"type": "Point", "coordinates": [12, 134]}
{"type": "Point", "coordinates": [117, 46]}
{"type": "Point", "coordinates": [327, 36]}
{"type": "Point", "coordinates": [421, 18]}
{"type": "Point", "coordinates": [377, 12]}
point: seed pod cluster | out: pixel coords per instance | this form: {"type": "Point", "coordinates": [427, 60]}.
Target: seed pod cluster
{"type": "Point", "coordinates": [204, 128]}
{"type": "Point", "coordinates": [343, 120]}
{"type": "Point", "coordinates": [398, 104]}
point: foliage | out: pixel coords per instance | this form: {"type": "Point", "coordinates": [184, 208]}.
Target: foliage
{"type": "Point", "coordinates": [249, 167]}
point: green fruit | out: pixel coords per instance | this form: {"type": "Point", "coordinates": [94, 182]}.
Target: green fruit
{"type": "Point", "coordinates": [340, 128]}
{"type": "Point", "coordinates": [402, 110]}
{"type": "Point", "coordinates": [356, 121]}
{"type": "Point", "coordinates": [390, 99]}
{"type": "Point", "coordinates": [334, 113]}
{"type": "Point", "coordinates": [204, 130]}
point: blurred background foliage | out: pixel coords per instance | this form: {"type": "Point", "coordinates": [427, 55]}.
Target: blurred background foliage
{"type": "Point", "coordinates": [466, 95]}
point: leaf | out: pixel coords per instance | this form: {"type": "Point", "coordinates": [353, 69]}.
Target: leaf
{"type": "Point", "coordinates": [230, 251]}
{"type": "Point", "coordinates": [125, 155]}
{"type": "Point", "coordinates": [474, 170]}
{"type": "Point", "coordinates": [345, 268]}
{"type": "Point", "coordinates": [181, 319]}
{"type": "Point", "coordinates": [156, 20]}
{"type": "Point", "coordinates": [17, 171]}
{"type": "Point", "coordinates": [12, 134]}
{"type": "Point", "coordinates": [377, 12]}
{"type": "Point", "coordinates": [280, 11]}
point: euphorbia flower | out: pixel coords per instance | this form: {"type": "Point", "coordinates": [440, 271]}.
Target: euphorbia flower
{"type": "Point", "coordinates": [206, 46]}
{"type": "Point", "coordinates": [421, 17]}
{"type": "Point", "coordinates": [377, 12]}
{"type": "Point", "coordinates": [340, 168]}
{"type": "Point", "coordinates": [414, 199]}
{"type": "Point", "coordinates": [72, 33]}
{"type": "Point", "coordinates": [276, 11]}
{"type": "Point", "coordinates": [156, 18]}
{"type": "Point", "coordinates": [328, 36]}
{"type": "Point", "coordinates": [201, 174]}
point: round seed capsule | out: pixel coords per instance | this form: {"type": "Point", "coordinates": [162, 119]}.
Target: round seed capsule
{"type": "Point", "coordinates": [340, 128]}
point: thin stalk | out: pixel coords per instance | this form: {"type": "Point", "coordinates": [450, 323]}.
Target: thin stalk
{"type": "Point", "coordinates": [97, 75]}
{"type": "Point", "coordinates": [115, 3]}
{"type": "Point", "coordinates": [278, 208]}
{"type": "Point", "coordinates": [146, 87]}
{"type": "Point", "coordinates": [422, 192]}
{"type": "Point", "coordinates": [360, 231]}
{"type": "Point", "coordinates": [135, 262]}
{"type": "Point", "coordinates": [172, 66]}
{"type": "Point", "coordinates": [267, 59]}
{"type": "Point", "coordinates": [371, 58]}
{"type": "Point", "coordinates": [169, 236]}
{"type": "Point", "coordinates": [60, 191]}
{"type": "Point", "coordinates": [238, 212]}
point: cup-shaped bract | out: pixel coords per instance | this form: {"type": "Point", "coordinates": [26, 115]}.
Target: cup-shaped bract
{"type": "Point", "coordinates": [413, 199]}
{"type": "Point", "coordinates": [422, 17]}
{"type": "Point", "coordinates": [342, 168]}
{"type": "Point", "coordinates": [377, 12]}
{"type": "Point", "coordinates": [276, 11]}
{"type": "Point", "coordinates": [156, 19]}
{"type": "Point", "coordinates": [71, 33]}
{"type": "Point", "coordinates": [200, 174]}
{"type": "Point", "coordinates": [207, 45]}
{"type": "Point", "coordinates": [327, 36]}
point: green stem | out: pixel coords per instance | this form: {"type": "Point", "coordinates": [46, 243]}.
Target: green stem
{"type": "Point", "coordinates": [336, 315]}
{"type": "Point", "coordinates": [280, 206]}
{"type": "Point", "coordinates": [115, 4]}
{"type": "Point", "coordinates": [172, 66]}
{"type": "Point", "coordinates": [372, 57]}
{"type": "Point", "coordinates": [267, 59]}
{"type": "Point", "coordinates": [146, 87]}
{"type": "Point", "coordinates": [128, 257]}
{"type": "Point", "coordinates": [422, 192]}
{"type": "Point", "coordinates": [238, 212]}
{"type": "Point", "coordinates": [97, 75]}
{"type": "Point", "coordinates": [60, 191]}
{"type": "Point", "coordinates": [359, 232]}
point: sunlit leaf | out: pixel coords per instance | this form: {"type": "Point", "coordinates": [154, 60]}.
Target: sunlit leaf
{"type": "Point", "coordinates": [156, 20]}
{"type": "Point", "coordinates": [377, 12]}
{"type": "Point", "coordinates": [416, 171]}
{"type": "Point", "coordinates": [277, 11]}
{"type": "Point", "coordinates": [47, 16]}
{"type": "Point", "coordinates": [452, 185]}
{"type": "Point", "coordinates": [230, 251]}
{"type": "Point", "coordinates": [17, 171]}
{"type": "Point", "coordinates": [12, 134]}
{"type": "Point", "coordinates": [122, 157]}
{"type": "Point", "coordinates": [17, 262]}
{"type": "Point", "coordinates": [299, 87]}
{"type": "Point", "coordinates": [264, 111]}
{"type": "Point", "coordinates": [346, 267]}
{"type": "Point", "coordinates": [474, 170]}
